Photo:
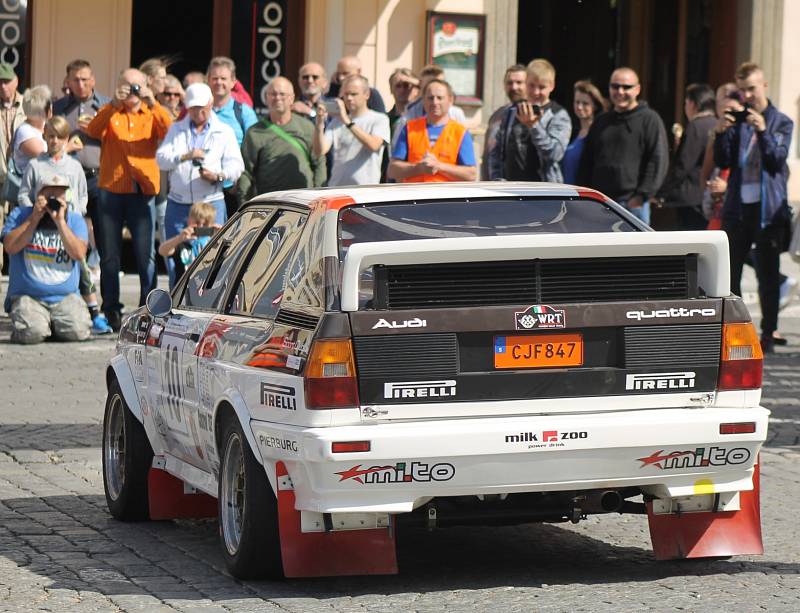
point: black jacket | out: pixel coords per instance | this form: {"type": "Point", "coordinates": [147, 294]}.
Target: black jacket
{"type": "Point", "coordinates": [625, 154]}
{"type": "Point", "coordinates": [682, 185]}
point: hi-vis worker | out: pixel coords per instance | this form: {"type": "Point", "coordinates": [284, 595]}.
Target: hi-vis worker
{"type": "Point", "coordinates": [434, 147]}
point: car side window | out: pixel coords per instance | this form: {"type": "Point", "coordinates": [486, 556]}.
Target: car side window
{"type": "Point", "coordinates": [260, 289]}
{"type": "Point", "coordinates": [210, 277]}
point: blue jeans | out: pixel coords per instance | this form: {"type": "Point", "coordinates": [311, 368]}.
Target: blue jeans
{"type": "Point", "coordinates": [177, 216]}
{"type": "Point", "coordinates": [138, 212]}
{"type": "Point", "coordinates": [643, 212]}
{"type": "Point", "coordinates": [161, 209]}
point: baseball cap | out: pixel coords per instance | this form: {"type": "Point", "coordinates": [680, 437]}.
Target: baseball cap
{"type": "Point", "coordinates": [197, 94]}
{"type": "Point", "coordinates": [7, 72]}
{"type": "Point", "coordinates": [51, 181]}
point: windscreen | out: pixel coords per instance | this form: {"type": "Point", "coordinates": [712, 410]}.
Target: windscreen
{"type": "Point", "coordinates": [454, 219]}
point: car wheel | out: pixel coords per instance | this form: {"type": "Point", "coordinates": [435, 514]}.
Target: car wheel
{"type": "Point", "coordinates": [127, 457]}
{"type": "Point", "coordinates": [248, 511]}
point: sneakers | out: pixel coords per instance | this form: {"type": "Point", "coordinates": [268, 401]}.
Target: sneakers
{"type": "Point", "coordinates": [787, 292]}
{"type": "Point", "coordinates": [767, 345]}
{"type": "Point", "coordinates": [100, 325]}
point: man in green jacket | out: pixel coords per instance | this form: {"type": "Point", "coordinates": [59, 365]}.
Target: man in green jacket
{"type": "Point", "coordinates": [277, 151]}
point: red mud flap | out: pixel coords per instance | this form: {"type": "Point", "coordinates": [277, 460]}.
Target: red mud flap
{"type": "Point", "coordinates": [330, 554]}
{"type": "Point", "coordinates": [704, 535]}
{"type": "Point", "coordinates": [167, 500]}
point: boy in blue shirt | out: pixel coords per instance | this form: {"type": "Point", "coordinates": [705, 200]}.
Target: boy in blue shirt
{"type": "Point", "coordinates": [46, 243]}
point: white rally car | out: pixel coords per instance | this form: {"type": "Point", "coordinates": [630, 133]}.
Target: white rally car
{"type": "Point", "coordinates": [339, 363]}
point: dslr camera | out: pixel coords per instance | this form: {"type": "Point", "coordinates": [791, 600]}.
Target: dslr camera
{"type": "Point", "coordinates": [54, 204]}
{"type": "Point", "coordinates": [739, 116]}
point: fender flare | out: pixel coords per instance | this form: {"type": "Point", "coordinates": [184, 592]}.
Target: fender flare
{"type": "Point", "coordinates": [119, 369]}
{"type": "Point", "coordinates": [232, 397]}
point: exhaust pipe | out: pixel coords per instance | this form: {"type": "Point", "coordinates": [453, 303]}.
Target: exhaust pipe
{"type": "Point", "coordinates": [602, 501]}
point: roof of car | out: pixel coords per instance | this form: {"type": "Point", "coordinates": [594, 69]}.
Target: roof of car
{"type": "Point", "coordinates": [393, 192]}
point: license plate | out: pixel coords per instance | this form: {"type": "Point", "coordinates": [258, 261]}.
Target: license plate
{"type": "Point", "coordinates": [541, 351]}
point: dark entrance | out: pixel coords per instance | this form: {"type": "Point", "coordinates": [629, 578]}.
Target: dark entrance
{"type": "Point", "coordinates": [175, 29]}
{"type": "Point", "coordinates": [670, 43]}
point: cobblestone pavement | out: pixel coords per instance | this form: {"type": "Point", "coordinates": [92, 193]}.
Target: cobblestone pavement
{"type": "Point", "coordinates": [61, 551]}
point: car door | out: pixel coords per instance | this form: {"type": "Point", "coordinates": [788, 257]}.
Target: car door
{"type": "Point", "coordinates": [200, 299]}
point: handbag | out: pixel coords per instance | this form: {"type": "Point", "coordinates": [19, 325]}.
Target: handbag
{"type": "Point", "coordinates": [10, 190]}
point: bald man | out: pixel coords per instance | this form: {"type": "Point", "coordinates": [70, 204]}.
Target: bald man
{"type": "Point", "coordinates": [278, 151]}
{"type": "Point", "coordinates": [350, 66]}
{"type": "Point", "coordinates": [313, 81]}
{"type": "Point", "coordinates": [625, 155]}
{"type": "Point", "coordinates": [129, 129]}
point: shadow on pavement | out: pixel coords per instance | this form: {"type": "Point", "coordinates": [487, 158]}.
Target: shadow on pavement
{"type": "Point", "coordinates": [50, 437]}
{"type": "Point", "coordinates": [89, 551]}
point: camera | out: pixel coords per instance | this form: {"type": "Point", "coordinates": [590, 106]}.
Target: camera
{"type": "Point", "coordinates": [204, 230]}
{"type": "Point", "coordinates": [537, 110]}
{"type": "Point", "coordinates": [54, 204]}
{"type": "Point", "coordinates": [197, 162]}
{"type": "Point", "coordinates": [135, 89]}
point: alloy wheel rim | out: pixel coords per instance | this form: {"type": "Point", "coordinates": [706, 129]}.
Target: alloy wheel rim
{"type": "Point", "coordinates": [114, 450]}
{"type": "Point", "coordinates": [232, 494]}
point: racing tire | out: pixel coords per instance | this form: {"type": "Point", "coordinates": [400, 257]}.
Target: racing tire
{"type": "Point", "coordinates": [127, 457]}
{"type": "Point", "coordinates": [248, 510]}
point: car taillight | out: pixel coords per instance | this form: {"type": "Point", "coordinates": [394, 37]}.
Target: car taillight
{"type": "Point", "coordinates": [742, 360]}
{"type": "Point", "coordinates": [330, 375]}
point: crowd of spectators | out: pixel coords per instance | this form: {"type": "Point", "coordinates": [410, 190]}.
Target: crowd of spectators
{"type": "Point", "coordinates": [166, 160]}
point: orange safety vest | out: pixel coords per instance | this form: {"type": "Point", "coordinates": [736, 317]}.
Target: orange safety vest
{"type": "Point", "coordinates": [445, 149]}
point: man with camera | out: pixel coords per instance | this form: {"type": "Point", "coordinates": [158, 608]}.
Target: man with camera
{"type": "Point", "coordinates": [753, 140]}
{"type": "Point", "coordinates": [357, 135]}
{"type": "Point", "coordinates": [129, 129]}
{"type": "Point", "coordinates": [201, 154]}
{"type": "Point", "coordinates": [45, 243]}
{"type": "Point", "coordinates": [534, 133]}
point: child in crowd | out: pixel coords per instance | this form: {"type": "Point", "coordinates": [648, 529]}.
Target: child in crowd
{"type": "Point", "coordinates": [184, 247]}
{"type": "Point", "coordinates": [56, 160]}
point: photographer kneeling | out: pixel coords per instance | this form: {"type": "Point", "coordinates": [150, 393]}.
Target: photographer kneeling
{"type": "Point", "coordinates": [45, 243]}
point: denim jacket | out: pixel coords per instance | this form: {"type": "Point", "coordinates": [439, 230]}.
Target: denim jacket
{"type": "Point", "coordinates": [773, 142]}
{"type": "Point", "coordinates": [550, 137]}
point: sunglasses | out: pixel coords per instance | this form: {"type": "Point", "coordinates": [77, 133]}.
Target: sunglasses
{"type": "Point", "coordinates": [405, 84]}
{"type": "Point", "coordinates": [623, 86]}
{"type": "Point", "coordinates": [310, 77]}
{"type": "Point", "coordinates": [171, 94]}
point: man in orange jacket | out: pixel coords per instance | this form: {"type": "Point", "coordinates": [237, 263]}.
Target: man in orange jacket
{"type": "Point", "coordinates": [434, 148]}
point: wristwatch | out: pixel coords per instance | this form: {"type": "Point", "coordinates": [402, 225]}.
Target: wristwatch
{"type": "Point", "coordinates": [220, 178]}
{"type": "Point", "coordinates": [350, 125]}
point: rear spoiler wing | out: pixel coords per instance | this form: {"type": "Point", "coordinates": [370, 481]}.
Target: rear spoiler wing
{"type": "Point", "coordinates": [711, 247]}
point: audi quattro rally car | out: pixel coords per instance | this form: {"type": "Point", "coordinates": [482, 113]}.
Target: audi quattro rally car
{"type": "Point", "coordinates": [338, 363]}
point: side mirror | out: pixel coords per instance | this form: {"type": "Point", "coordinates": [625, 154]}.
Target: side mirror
{"type": "Point", "coordinates": [158, 303]}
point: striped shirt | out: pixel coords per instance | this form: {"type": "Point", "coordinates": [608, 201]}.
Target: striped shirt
{"type": "Point", "coordinates": [129, 140]}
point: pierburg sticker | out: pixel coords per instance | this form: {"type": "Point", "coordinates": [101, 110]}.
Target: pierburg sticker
{"type": "Point", "coordinates": [401, 472]}
{"type": "Point", "coordinates": [539, 316]}
{"type": "Point", "coordinates": [698, 457]}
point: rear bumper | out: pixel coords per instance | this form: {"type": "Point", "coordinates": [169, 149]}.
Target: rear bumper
{"type": "Point", "coordinates": [667, 452]}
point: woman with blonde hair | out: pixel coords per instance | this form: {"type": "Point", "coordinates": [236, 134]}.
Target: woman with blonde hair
{"type": "Point", "coordinates": [28, 141]}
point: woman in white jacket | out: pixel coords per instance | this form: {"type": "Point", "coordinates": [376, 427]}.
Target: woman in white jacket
{"type": "Point", "coordinates": [200, 152]}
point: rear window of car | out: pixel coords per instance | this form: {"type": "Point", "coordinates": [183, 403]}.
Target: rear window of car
{"type": "Point", "coordinates": [494, 217]}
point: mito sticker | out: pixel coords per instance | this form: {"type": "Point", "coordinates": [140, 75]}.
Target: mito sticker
{"type": "Point", "coordinates": [696, 458]}
{"type": "Point", "coordinates": [401, 472]}
{"type": "Point", "coordinates": [539, 316]}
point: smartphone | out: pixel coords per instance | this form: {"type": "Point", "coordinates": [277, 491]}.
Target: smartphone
{"type": "Point", "coordinates": [331, 106]}
{"type": "Point", "coordinates": [204, 230]}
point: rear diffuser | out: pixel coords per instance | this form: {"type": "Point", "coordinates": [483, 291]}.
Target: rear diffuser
{"type": "Point", "coordinates": [329, 554]}
{"type": "Point", "coordinates": [706, 535]}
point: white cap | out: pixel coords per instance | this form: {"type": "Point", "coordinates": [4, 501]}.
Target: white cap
{"type": "Point", "coordinates": [197, 94]}
{"type": "Point", "coordinates": [52, 181]}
